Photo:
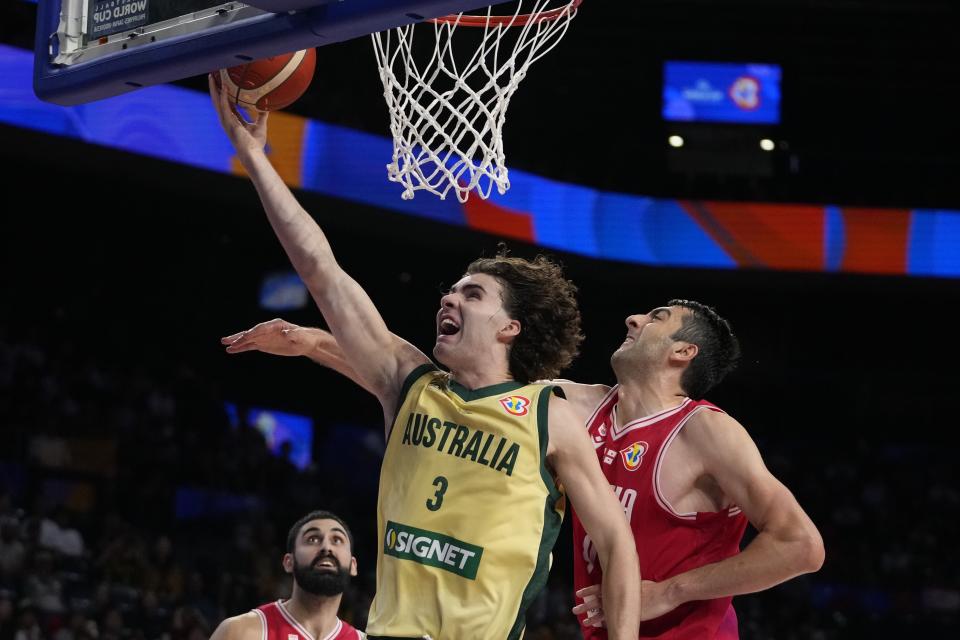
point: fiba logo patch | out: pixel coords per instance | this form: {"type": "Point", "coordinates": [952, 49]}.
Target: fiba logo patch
{"type": "Point", "coordinates": [745, 93]}
{"type": "Point", "coordinates": [633, 455]}
{"type": "Point", "coordinates": [516, 405]}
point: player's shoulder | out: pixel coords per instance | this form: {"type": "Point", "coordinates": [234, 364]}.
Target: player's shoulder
{"type": "Point", "coordinates": [246, 626]}
{"type": "Point", "coordinates": [565, 428]}
{"type": "Point", "coordinates": [709, 425]}
{"type": "Point", "coordinates": [584, 398]}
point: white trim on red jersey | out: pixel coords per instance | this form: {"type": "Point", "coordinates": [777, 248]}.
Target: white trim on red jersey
{"type": "Point", "coordinates": [619, 432]}
{"type": "Point", "coordinates": [612, 394]}
{"type": "Point", "coordinates": [293, 623]}
{"type": "Point", "coordinates": [732, 510]}
{"type": "Point", "coordinates": [263, 623]}
{"type": "Point", "coordinates": [658, 492]}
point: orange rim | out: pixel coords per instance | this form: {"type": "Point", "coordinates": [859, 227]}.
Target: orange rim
{"type": "Point", "coordinates": [518, 20]}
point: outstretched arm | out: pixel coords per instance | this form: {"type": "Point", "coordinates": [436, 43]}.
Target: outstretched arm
{"type": "Point", "coordinates": [281, 338]}
{"type": "Point", "coordinates": [787, 543]}
{"type": "Point", "coordinates": [575, 463]}
{"type": "Point", "coordinates": [379, 357]}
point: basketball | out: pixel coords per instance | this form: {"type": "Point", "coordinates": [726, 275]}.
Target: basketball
{"type": "Point", "coordinates": [269, 84]}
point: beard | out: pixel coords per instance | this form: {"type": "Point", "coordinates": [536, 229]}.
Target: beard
{"type": "Point", "coordinates": [321, 582]}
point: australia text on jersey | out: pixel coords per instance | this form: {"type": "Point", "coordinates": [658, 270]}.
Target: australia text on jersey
{"type": "Point", "coordinates": [462, 441]}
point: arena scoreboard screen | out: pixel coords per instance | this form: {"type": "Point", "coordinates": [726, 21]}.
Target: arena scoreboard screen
{"type": "Point", "coordinates": [721, 92]}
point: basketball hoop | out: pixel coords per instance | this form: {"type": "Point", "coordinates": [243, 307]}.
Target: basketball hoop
{"type": "Point", "coordinates": [447, 108]}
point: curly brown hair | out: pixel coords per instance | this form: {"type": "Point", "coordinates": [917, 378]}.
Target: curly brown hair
{"type": "Point", "coordinates": [536, 294]}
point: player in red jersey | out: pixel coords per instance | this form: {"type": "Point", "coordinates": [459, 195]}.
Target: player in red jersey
{"type": "Point", "coordinates": [319, 556]}
{"type": "Point", "coordinates": [689, 478]}
{"type": "Point", "coordinates": [688, 475]}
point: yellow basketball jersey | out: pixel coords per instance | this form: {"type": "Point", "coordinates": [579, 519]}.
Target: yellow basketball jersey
{"type": "Point", "coordinates": [468, 511]}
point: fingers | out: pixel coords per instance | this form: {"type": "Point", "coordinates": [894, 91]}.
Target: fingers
{"type": "Point", "coordinates": [261, 337]}
{"type": "Point", "coordinates": [246, 346]}
{"type": "Point", "coordinates": [260, 120]}
{"type": "Point", "coordinates": [240, 342]}
{"type": "Point", "coordinates": [588, 606]}
{"type": "Point", "coordinates": [597, 620]}
{"type": "Point", "coordinates": [594, 613]}
{"type": "Point", "coordinates": [231, 338]}
{"type": "Point", "coordinates": [216, 97]}
{"type": "Point", "coordinates": [224, 107]}
{"type": "Point", "coordinates": [238, 337]}
{"type": "Point", "coordinates": [240, 348]}
{"type": "Point", "coordinates": [222, 103]}
{"type": "Point", "coordinates": [592, 602]}
{"type": "Point", "coordinates": [241, 116]}
{"type": "Point", "coordinates": [592, 606]}
{"type": "Point", "coordinates": [592, 590]}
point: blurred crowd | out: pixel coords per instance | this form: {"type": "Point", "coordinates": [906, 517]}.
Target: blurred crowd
{"type": "Point", "coordinates": [130, 508]}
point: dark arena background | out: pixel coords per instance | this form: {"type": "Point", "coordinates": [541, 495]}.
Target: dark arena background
{"type": "Point", "coordinates": [139, 497]}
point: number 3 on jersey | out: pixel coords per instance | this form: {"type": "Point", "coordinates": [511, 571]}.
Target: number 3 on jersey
{"type": "Point", "coordinates": [436, 501]}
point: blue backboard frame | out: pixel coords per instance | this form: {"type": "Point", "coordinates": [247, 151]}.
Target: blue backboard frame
{"type": "Point", "coordinates": [148, 63]}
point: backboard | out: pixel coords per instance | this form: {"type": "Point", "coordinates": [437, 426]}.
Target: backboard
{"type": "Point", "coordinates": [86, 50]}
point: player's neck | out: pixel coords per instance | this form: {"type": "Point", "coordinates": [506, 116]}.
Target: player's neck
{"type": "Point", "coordinates": [481, 377]}
{"type": "Point", "coordinates": [479, 367]}
{"type": "Point", "coordinates": [316, 614]}
{"type": "Point", "coordinates": [640, 398]}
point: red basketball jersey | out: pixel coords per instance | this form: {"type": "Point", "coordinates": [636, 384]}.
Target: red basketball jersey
{"type": "Point", "coordinates": [668, 543]}
{"type": "Point", "coordinates": [278, 624]}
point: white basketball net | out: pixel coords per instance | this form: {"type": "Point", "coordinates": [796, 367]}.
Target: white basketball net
{"type": "Point", "coordinates": [447, 111]}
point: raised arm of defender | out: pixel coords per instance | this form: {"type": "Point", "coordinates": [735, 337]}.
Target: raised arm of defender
{"type": "Point", "coordinates": [379, 357]}
{"type": "Point", "coordinates": [787, 543]}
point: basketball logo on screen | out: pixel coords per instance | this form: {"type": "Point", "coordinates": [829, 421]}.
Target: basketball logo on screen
{"type": "Point", "coordinates": [633, 455]}
{"type": "Point", "coordinates": [745, 93]}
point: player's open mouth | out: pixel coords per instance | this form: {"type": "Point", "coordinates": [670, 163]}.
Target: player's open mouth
{"type": "Point", "coordinates": [448, 327]}
{"type": "Point", "coordinates": [326, 563]}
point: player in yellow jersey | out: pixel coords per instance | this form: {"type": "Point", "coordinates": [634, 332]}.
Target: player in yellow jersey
{"type": "Point", "coordinates": [470, 490]}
